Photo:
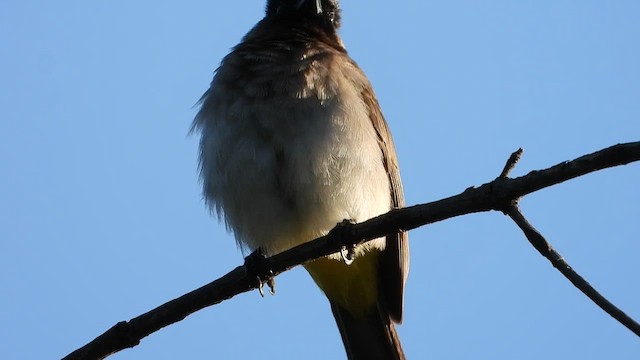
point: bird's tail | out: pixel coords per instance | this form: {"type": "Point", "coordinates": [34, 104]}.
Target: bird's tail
{"type": "Point", "coordinates": [371, 337]}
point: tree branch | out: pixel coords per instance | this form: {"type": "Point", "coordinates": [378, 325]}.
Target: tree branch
{"type": "Point", "coordinates": [500, 194]}
{"type": "Point", "coordinates": [542, 245]}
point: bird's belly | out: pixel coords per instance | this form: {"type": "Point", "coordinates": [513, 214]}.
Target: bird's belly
{"type": "Point", "coordinates": [283, 175]}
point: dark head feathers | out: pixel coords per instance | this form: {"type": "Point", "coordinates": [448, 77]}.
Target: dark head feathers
{"type": "Point", "coordinates": [324, 12]}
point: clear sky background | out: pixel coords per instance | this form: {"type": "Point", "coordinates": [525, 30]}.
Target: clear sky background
{"type": "Point", "coordinates": [101, 217]}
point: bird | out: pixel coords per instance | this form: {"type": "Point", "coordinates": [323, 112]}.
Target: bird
{"type": "Point", "coordinates": [292, 142]}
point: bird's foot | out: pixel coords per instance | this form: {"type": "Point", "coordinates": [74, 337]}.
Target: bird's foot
{"type": "Point", "coordinates": [343, 234]}
{"type": "Point", "coordinates": [348, 254]}
{"type": "Point", "coordinates": [257, 267]}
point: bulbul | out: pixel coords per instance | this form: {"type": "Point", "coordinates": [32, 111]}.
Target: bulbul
{"type": "Point", "coordinates": [293, 141]}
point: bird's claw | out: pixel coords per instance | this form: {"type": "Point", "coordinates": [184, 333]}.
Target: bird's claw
{"type": "Point", "coordinates": [348, 254]}
{"type": "Point", "coordinates": [257, 267]}
{"type": "Point", "coordinates": [272, 286]}
{"type": "Point", "coordinates": [271, 283]}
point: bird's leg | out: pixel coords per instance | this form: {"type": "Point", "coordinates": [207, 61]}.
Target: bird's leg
{"type": "Point", "coordinates": [257, 267]}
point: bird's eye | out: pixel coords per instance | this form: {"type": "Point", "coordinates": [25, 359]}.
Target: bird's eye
{"type": "Point", "coordinates": [332, 17]}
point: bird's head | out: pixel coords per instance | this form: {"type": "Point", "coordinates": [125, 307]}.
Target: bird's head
{"type": "Point", "coordinates": [322, 12]}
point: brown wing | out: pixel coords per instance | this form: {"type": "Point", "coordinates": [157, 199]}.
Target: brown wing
{"type": "Point", "coordinates": [394, 262]}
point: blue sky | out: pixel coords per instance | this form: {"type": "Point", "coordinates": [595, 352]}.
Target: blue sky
{"type": "Point", "coordinates": [102, 218]}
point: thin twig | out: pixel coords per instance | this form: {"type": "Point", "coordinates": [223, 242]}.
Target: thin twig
{"type": "Point", "coordinates": [542, 245]}
{"type": "Point", "coordinates": [511, 163]}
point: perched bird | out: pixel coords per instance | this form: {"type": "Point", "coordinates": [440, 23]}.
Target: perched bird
{"type": "Point", "coordinates": [293, 141]}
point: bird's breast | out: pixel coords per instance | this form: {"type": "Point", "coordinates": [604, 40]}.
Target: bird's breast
{"type": "Point", "coordinates": [288, 150]}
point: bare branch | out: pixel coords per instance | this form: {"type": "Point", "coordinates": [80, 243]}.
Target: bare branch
{"type": "Point", "coordinates": [540, 243]}
{"type": "Point", "coordinates": [126, 334]}
{"type": "Point", "coordinates": [500, 194]}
